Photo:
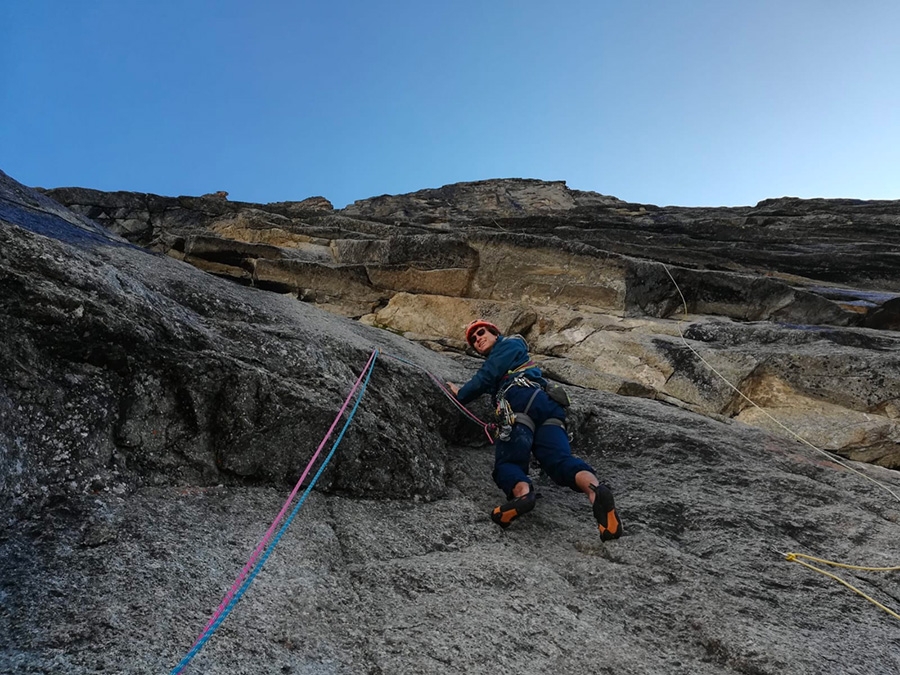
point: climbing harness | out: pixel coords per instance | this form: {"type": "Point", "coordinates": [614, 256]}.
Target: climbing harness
{"type": "Point", "coordinates": [256, 561]}
{"type": "Point", "coordinates": [554, 390]}
{"type": "Point", "coordinates": [507, 417]}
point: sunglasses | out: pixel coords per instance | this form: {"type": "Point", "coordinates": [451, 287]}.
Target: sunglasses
{"type": "Point", "coordinates": [477, 334]}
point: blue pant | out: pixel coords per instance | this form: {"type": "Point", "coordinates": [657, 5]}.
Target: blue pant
{"type": "Point", "coordinates": [549, 443]}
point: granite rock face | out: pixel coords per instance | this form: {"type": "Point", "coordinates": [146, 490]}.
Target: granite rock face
{"type": "Point", "coordinates": [153, 418]}
{"type": "Point", "coordinates": [601, 288]}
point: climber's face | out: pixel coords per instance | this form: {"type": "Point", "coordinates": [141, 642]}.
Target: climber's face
{"type": "Point", "coordinates": [484, 341]}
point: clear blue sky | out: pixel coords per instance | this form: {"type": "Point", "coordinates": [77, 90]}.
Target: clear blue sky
{"type": "Point", "coordinates": [690, 102]}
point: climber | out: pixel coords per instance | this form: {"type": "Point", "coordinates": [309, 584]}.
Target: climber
{"type": "Point", "coordinates": [538, 426]}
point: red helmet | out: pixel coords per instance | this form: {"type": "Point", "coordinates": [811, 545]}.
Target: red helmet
{"type": "Point", "coordinates": [475, 325]}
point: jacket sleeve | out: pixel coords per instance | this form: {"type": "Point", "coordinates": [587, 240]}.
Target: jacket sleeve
{"type": "Point", "coordinates": [501, 360]}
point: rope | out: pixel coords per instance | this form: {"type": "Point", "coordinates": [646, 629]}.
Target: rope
{"type": "Point", "coordinates": [262, 542]}
{"type": "Point", "coordinates": [800, 438]}
{"type": "Point", "coordinates": [232, 598]}
{"type": "Point", "coordinates": [449, 394]}
{"type": "Point", "coordinates": [794, 557]}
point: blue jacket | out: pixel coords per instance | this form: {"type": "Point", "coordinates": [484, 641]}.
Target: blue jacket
{"type": "Point", "coordinates": [507, 354]}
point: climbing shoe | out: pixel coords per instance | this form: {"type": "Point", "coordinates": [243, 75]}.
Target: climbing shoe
{"type": "Point", "coordinates": [608, 521]}
{"type": "Point", "coordinates": [504, 514]}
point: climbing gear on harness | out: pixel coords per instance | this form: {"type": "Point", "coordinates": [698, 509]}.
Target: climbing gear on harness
{"type": "Point", "coordinates": [608, 522]}
{"type": "Point", "coordinates": [525, 366]}
{"type": "Point", "coordinates": [504, 514]}
{"type": "Point", "coordinates": [553, 389]}
{"type": "Point", "coordinates": [507, 418]}
{"type": "Point", "coordinates": [473, 327]}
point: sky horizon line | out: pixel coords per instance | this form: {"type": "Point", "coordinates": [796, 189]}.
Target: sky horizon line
{"type": "Point", "coordinates": [233, 198]}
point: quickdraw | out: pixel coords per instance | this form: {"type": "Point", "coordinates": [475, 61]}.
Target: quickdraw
{"type": "Point", "coordinates": [507, 418]}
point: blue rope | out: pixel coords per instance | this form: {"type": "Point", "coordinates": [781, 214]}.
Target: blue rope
{"type": "Point", "coordinates": [262, 561]}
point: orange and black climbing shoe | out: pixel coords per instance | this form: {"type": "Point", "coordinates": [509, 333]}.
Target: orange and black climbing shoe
{"type": "Point", "coordinates": [605, 512]}
{"type": "Point", "coordinates": [504, 514]}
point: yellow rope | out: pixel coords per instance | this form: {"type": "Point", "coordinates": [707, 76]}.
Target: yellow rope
{"type": "Point", "coordinates": [765, 412]}
{"type": "Point", "coordinates": [793, 557]}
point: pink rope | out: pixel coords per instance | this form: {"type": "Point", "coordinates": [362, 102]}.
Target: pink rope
{"type": "Point", "coordinates": [449, 394]}
{"type": "Point", "coordinates": [268, 535]}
